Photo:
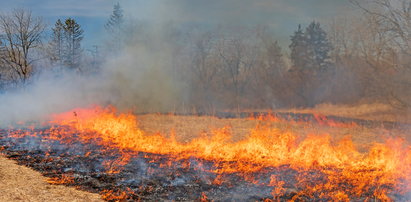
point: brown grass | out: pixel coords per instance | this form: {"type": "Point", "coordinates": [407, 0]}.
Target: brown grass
{"type": "Point", "coordinates": [369, 111]}
{"type": "Point", "coordinates": [19, 183]}
{"type": "Point", "coordinates": [188, 127]}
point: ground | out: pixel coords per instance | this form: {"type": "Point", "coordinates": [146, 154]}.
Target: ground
{"type": "Point", "coordinates": [19, 183]}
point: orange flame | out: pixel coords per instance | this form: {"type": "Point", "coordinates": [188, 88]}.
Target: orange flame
{"type": "Point", "coordinates": [110, 195]}
{"type": "Point", "coordinates": [64, 179]}
{"type": "Point", "coordinates": [388, 163]}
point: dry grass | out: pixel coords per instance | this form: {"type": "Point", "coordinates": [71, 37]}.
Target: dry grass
{"type": "Point", "coordinates": [369, 111]}
{"type": "Point", "coordinates": [189, 127]}
{"type": "Point", "coordinates": [19, 183]}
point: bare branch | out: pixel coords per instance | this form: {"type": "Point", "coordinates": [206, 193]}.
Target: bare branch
{"type": "Point", "coordinates": [21, 33]}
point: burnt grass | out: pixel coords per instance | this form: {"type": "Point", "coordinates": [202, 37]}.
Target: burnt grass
{"type": "Point", "coordinates": [144, 176]}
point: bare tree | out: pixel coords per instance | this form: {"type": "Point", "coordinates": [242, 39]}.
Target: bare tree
{"type": "Point", "coordinates": [392, 20]}
{"type": "Point", "coordinates": [20, 33]}
{"type": "Point", "coordinates": [239, 57]}
{"type": "Point", "coordinates": [203, 68]}
{"type": "Point", "coordinates": [269, 85]}
{"type": "Point", "coordinates": [393, 17]}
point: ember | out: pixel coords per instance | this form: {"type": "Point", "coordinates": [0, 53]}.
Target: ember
{"type": "Point", "coordinates": [103, 151]}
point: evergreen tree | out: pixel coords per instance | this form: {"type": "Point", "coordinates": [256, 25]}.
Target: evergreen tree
{"type": "Point", "coordinates": [318, 46]}
{"type": "Point", "coordinates": [298, 48]}
{"type": "Point", "coordinates": [115, 29]}
{"type": "Point", "coordinates": [116, 19]}
{"type": "Point", "coordinates": [57, 43]}
{"type": "Point", "coordinates": [73, 36]}
{"type": "Point", "coordinates": [310, 49]}
{"type": "Point", "coordinates": [310, 56]}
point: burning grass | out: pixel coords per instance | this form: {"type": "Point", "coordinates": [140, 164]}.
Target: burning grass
{"type": "Point", "coordinates": [157, 157]}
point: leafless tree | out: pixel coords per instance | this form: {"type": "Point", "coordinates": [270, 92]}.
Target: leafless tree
{"type": "Point", "coordinates": [20, 34]}
{"type": "Point", "coordinates": [392, 28]}
{"type": "Point", "coordinates": [203, 47]}
{"type": "Point", "coordinates": [239, 56]}
{"type": "Point", "coordinates": [203, 68]}
{"type": "Point", "coordinates": [393, 17]}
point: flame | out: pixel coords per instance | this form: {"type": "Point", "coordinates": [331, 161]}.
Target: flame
{"type": "Point", "coordinates": [204, 197]}
{"type": "Point", "coordinates": [110, 195]}
{"type": "Point", "coordinates": [348, 171]}
{"type": "Point", "coordinates": [64, 179]}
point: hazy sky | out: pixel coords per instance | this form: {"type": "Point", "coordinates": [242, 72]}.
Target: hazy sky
{"type": "Point", "coordinates": [282, 16]}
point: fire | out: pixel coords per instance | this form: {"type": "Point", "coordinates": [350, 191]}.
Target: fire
{"type": "Point", "coordinates": [65, 179]}
{"type": "Point", "coordinates": [111, 195]}
{"type": "Point", "coordinates": [204, 197]}
{"type": "Point", "coordinates": [343, 170]}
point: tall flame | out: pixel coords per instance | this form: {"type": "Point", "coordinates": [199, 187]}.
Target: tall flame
{"type": "Point", "coordinates": [265, 147]}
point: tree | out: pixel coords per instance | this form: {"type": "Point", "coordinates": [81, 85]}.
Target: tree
{"type": "Point", "coordinates": [318, 46]}
{"type": "Point", "coordinates": [392, 20]}
{"type": "Point", "coordinates": [116, 19]}
{"type": "Point", "coordinates": [57, 43]}
{"type": "Point", "coordinates": [66, 43]}
{"type": "Point", "coordinates": [310, 56]}
{"type": "Point", "coordinates": [203, 68]}
{"type": "Point", "coordinates": [298, 48]}
{"type": "Point", "coordinates": [115, 28]}
{"type": "Point", "coordinates": [269, 85]}
{"type": "Point", "coordinates": [238, 56]}
{"type": "Point", "coordinates": [73, 36]}
{"type": "Point", "coordinates": [310, 49]}
{"type": "Point", "coordinates": [21, 34]}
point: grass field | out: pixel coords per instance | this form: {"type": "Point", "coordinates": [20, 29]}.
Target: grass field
{"type": "Point", "coordinates": [21, 183]}
{"type": "Point", "coordinates": [188, 127]}
{"type": "Point", "coordinates": [367, 111]}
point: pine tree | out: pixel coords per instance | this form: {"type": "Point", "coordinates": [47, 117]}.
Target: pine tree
{"type": "Point", "coordinates": [115, 29]}
{"type": "Point", "coordinates": [310, 49]}
{"type": "Point", "coordinates": [298, 48]}
{"type": "Point", "coordinates": [57, 43]}
{"type": "Point", "coordinates": [73, 36]}
{"type": "Point", "coordinates": [310, 56]}
{"type": "Point", "coordinates": [318, 46]}
{"type": "Point", "coordinates": [116, 19]}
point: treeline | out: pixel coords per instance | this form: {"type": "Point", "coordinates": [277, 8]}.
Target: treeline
{"type": "Point", "coordinates": [360, 59]}
{"type": "Point", "coordinates": [366, 58]}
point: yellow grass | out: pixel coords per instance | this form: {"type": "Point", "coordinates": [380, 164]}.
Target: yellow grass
{"type": "Point", "coordinates": [369, 111]}
{"type": "Point", "coordinates": [19, 183]}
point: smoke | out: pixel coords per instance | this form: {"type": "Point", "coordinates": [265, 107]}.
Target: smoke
{"type": "Point", "coordinates": [48, 93]}
{"type": "Point", "coordinates": [142, 76]}
{"type": "Point", "coordinates": [147, 73]}
{"type": "Point", "coordinates": [139, 77]}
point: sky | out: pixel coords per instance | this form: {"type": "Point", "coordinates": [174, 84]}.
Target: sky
{"type": "Point", "coordinates": [282, 16]}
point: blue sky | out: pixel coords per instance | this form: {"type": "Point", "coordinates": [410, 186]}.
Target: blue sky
{"type": "Point", "coordinates": [282, 16]}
